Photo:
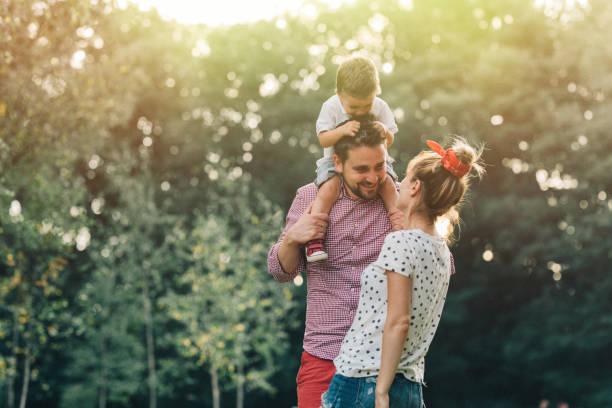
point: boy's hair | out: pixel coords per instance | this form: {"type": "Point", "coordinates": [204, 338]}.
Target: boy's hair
{"type": "Point", "coordinates": [367, 135]}
{"type": "Point", "coordinates": [357, 76]}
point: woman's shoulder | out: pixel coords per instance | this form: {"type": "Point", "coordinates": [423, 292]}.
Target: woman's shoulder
{"type": "Point", "coordinates": [413, 235]}
{"type": "Point", "coordinates": [413, 239]}
{"type": "Point", "coordinates": [403, 238]}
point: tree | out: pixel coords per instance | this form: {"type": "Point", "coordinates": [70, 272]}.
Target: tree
{"type": "Point", "coordinates": [233, 317]}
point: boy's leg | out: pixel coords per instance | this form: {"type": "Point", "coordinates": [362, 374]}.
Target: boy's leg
{"type": "Point", "coordinates": [326, 197]}
{"type": "Point", "coordinates": [389, 195]}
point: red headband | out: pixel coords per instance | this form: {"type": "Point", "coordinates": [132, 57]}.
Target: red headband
{"type": "Point", "coordinates": [449, 160]}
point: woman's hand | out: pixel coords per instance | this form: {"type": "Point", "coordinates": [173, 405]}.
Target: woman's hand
{"type": "Point", "coordinates": [382, 400]}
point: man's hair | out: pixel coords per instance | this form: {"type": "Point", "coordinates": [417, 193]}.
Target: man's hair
{"type": "Point", "coordinates": [357, 76]}
{"type": "Point", "coordinates": [367, 135]}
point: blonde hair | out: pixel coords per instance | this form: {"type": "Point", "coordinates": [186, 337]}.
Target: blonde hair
{"type": "Point", "coordinates": [357, 76]}
{"type": "Point", "coordinates": [443, 193]}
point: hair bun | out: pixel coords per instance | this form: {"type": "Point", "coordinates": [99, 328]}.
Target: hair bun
{"type": "Point", "coordinates": [468, 155]}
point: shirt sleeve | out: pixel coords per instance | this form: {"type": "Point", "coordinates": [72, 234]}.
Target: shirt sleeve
{"type": "Point", "coordinates": [396, 255]}
{"type": "Point", "coordinates": [326, 120]}
{"type": "Point", "coordinates": [386, 116]}
{"type": "Point", "coordinates": [274, 266]}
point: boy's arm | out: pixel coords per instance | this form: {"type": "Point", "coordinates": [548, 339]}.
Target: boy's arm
{"type": "Point", "coordinates": [329, 138]}
{"type": "Point", "coordinates": [389, 135]}
{"type": "Point", "coordinates": [385, 118]}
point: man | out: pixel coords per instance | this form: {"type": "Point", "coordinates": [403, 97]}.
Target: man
{"type": "Point", "coordinates": [358, 224]}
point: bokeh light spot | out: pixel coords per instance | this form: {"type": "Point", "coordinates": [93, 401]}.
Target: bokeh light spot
{"type": "Point", "coordinates": [497, 120]}
{"type": "Point", "coordinates": [487, 255]}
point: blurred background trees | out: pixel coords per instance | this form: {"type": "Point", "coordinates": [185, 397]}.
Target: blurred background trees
{"type": "Point", "coordinates": [146, 167]}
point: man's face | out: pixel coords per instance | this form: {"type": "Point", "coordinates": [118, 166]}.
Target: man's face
{"type": "Point", "coordinates": [356, 106]}
{"type": "Point", "coordinates": [363, 171]}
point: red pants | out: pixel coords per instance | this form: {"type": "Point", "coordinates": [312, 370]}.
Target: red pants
{"type": "Point", "coordinates": [313, 379]}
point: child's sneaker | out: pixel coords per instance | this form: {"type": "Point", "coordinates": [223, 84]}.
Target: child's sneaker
{"type": "Point", "coordinates": [315, 251]}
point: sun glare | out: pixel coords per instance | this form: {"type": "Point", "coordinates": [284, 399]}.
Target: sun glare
{"type": "Point", "coordinates": [228, 12]}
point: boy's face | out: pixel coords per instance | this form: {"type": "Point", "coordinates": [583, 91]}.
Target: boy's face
{"type": "Point", "coordinates": [356, 106]}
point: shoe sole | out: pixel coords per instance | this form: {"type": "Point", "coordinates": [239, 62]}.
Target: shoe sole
{"type": "Point", "coordinates": [315, 258]}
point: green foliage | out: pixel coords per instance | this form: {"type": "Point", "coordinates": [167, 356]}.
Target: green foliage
{"type": "Point", "coordinates": [145, 160]}
{"type": "Point", "coordinates": [242, 334]}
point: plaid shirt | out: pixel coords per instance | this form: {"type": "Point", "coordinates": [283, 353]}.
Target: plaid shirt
{"type": "Point", "coordinates": [355, 235]}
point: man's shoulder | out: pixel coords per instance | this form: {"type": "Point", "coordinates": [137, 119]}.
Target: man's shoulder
{"type": "Point", "coordinates": [307, 192]}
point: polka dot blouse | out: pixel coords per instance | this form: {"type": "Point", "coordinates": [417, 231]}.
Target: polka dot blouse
{"type": "Point", "coordinates": [426, 260]}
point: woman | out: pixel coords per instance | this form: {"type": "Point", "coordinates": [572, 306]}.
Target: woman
{"type": "Point", "coordinates": [403, 292]}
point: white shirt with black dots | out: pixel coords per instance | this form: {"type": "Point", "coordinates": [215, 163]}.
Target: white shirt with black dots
{"type": "Point", "coordinates": [426, 260]}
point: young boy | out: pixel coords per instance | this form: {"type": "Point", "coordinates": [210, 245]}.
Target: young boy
{"type": "Point", "coordinates": [357, 85]}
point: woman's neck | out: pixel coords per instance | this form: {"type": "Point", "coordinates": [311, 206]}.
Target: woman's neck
{"type": "Point", "coordinates": [418, 220]}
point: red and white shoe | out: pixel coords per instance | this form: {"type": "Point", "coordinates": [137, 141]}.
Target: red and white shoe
{"type": "Point", "coordinates": [315, 251]}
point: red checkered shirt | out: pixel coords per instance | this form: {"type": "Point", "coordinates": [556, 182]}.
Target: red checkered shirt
{"type": "Point", "coordinates": [355, 235]}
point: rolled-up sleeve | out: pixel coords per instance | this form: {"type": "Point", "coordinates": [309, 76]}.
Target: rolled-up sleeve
{"type": "Point", "coordinates": [274, 266]}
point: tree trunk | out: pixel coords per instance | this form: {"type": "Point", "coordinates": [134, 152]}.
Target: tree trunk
{"type": "Point", "coordinates": [214, 382]}
{"type": "Point", "coordinates": [102, 389]}
{"type": "Point", "coordinates": [102, 398]}
{"type": "Point", "coordinates": [240, 386]}
{"type": "Point", "coordinates": [26, 372]}
{"type": "Point", "coordinates": [10, 383]}
{"type": "Point", "coordinates": [148, 318]}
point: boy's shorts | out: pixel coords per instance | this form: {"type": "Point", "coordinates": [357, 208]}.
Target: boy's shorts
{"type": "Point", "coordinates": [326, 170]}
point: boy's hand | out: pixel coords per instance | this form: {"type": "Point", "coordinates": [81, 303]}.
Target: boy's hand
{"type": "Point", "coordinates": [396, 216]}
{"type": "Point", "coordinates": [350, 128]}
{"type": "Point", "coordinates": [380, 127]}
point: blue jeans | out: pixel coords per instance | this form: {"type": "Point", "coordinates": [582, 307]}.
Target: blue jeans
{"type": "Point", "coordinates": [350, 392]}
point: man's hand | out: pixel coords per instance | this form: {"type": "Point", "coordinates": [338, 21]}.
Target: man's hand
{"type": "Point", "coordinates": [350, 128]}
{"type": "Point", "coordinates": [396, 216]}
{"type": "Point", "coordinates": [308, 227]}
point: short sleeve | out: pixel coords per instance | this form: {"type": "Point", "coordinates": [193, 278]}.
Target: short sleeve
{"type": "Point", "coordinates": [397, 255]}
{"type": "Point", "coordinates": [326, 120]}
{"type": "Point", "coordinates": [383, 114]}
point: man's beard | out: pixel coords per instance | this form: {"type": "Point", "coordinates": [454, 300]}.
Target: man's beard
{"type": "Point", "coordinates": [365, 195]}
